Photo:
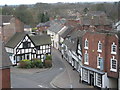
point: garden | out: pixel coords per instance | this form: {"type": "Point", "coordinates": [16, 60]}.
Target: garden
{"type": "Point", "coordinates": [36, 63]}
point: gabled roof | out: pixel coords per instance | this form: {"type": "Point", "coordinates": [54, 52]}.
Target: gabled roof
{"type": "Point", "coordinates": [58, 21]}
{"type": "Point", "coordinates": [74, 36]}
{"type": "Point", "coordinates": [4, 59]}
{"type": "Point", "coordinates": [17, 37]}
{"type": "Point", "coordinates": [41, 39]}
{"type": "Point", "coordinates": [44, 24]}
{"type": "Point", "coordinates": [55, 28]}
{"type": "Point", "coordinates": [66, 32]}
{"type": "Point", "coordinates": [5, 19]}
{"type": "Point", "coordinates": [95, 19]}
{"type": "Point", "coordinates": [36, 39]}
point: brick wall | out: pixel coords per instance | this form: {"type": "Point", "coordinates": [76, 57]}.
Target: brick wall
{"type": "Point", "coordinates": [14, 26]}
{"type": "Point", "coordinates": [106, 40]}
{"type": "Point", "coordinates": [5, 78]}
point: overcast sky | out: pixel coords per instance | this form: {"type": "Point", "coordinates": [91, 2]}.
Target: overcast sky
{"type": "Point", "coordinates": [17, 2]}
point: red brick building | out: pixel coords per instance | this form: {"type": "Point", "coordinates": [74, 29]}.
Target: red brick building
{"type": "Point", "coordinates": [100, 59]}
{"type": "Point", "coordinates": [97, 19]}
{"type": "Point", "coordinates": [9, 25]}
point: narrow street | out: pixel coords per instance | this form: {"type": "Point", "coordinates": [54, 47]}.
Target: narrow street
{"type": "Point", "coordinates": [60, 74]}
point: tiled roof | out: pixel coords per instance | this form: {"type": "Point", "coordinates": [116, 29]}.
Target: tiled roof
{"type": "Point", "coordinates": [55, 28]}
{"type": "Point", "coordinates": [95, 21]}
{"type": "Point", "coordinates": [41, 39]}
{"type": "Point", "coordinates": [5, 19]}
{"type": "Point", "coordinates": [66, 32]}
{"type": "Point", "coordinates": [17, 37]}
{"type": "Point", "coordinates": [37, 39]}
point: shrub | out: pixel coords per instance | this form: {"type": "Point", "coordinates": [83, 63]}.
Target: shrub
{"type": "Point", "coordinates": [48, 63]}
{"type": "Point", "coordinates": [48, 57]}
{"type": "Point", "coordinates": [37, 63]}
{"type": "Point", "coordinates": [25, 63]}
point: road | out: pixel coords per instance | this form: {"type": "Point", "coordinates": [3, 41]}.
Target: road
{"type": "Point", "coordinates": [38, 79]}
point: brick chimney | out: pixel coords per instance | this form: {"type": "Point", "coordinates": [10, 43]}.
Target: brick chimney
{"type": "Point", "coordinates": [4, 67]}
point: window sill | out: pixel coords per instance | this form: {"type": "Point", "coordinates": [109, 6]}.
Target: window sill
{"type": "Point", "coordinates": [99, 50]}
{"type": "Point", "coordinates": [86, 63]}
{"type": "Point", "coordinates": [98, 67]}
{"type": "Point", "coordinates": [85, 47]}
{"type": "Point", "coordinates": [113, 53]}
{"type": "Point", "coordinates": [113, 70]}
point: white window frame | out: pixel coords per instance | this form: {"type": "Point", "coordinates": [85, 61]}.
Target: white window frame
{"type": "Point", "coordinates": [98, 66]}
{"type": "Point", "coordinates": [97, 80]}
{"type": "Point", "coordinates": [113, 52]}
{"type": "Point", "coordinates": [99, 43]}
{"type": "Point", "coordinates": [86, 59]}
{"type": "Point", "coordinates": [111, 68]}
{"type": "Point", "coordinates": [86, 44]}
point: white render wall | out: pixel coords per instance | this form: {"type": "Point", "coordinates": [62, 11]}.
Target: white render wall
{"type": "Point", "coordinates": [105, 81]}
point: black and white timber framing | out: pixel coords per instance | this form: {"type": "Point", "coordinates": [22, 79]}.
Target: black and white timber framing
{"type": "Point", "coordinates": [27, 48]}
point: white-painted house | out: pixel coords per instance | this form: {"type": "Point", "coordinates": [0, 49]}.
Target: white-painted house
{"type": "Point", "coordinates": [72, 51]}
{"type": "Point", "coordinates": [54, 31]}
{"type": "Point", "coordinates": [22, 46]}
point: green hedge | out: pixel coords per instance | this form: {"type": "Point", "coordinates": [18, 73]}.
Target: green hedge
{"type": "Point", "coordinates": [36, 63]}
{"type": "Point", "coordinates": [48, 57]}
{"type": "Point", "coordinates": [25, 63]}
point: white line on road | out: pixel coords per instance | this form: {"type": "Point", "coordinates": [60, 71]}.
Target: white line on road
{"type": "Point", "coordinates": [61, 68]}
{"type": "Point", "coordinates": [40, 86]}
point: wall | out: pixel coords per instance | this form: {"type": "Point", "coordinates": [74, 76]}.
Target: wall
{"type": "Point", "coordinates": [5, 80]}
{"type": "Point", "coordinates": [14, 26]}
{"type": "Point", "coordinates": [113, 83]}
{"type": "Point", "coordinates": [105, 81]}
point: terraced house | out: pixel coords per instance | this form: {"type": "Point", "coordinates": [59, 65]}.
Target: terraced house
{"type": "Point", "coordinates": [100, 59]}
{"type": "Point", "coordinates": [23, 46]}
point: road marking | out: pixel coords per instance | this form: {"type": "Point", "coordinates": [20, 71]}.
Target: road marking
{"type": "Point", "coordinates": [61, 68]}
{"type": "Point", "coordinates": [40, 86]}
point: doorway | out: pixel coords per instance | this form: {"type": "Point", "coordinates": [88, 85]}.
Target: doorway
{"type": "Point", "coordinates": [91, 79]}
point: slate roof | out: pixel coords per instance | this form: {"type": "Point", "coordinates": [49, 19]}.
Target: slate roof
{"type": "Point", "coordinates": [44, 24]}
{"type": "Point", "coordinates": [5, 19]}
{"type": "Point", "coordinates": [95, 19]}
{"type": "Point", "coordinates": [55, 28]}
{"type": "Point", "coordinates": [41, 39]}
{"type": "Point", "coordinates": [74, 36]}
{"type": "Point", "coordinates": [37, 39]}
{"type": "Point", "coordinates": [17, 37]}
{"type": "Point", "coordinates": [4, 58]}
{"type": "Point", "coordinates": [58, 21]}
{"type": "Point", "coordinates": [66, 32]}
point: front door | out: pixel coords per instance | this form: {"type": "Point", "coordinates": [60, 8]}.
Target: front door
{"type": "Point", "coordinates": [91, 79]}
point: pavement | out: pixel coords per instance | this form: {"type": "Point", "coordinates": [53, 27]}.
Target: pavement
{"type": "Point", "coordinates": [69, 78]}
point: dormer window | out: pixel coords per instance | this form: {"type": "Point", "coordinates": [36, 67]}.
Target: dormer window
{"type": "Point", "coordinates": [86, 44]}
{"type": "Point", "coordinates": [99, 46]}
{"type": "Point", "coordinates": [113, 48]}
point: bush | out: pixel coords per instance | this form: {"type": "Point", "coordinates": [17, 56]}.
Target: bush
{"type": "Point", "coordinates": [37, 64]}
{"type": "Point", "coordinates": [25, 63]}
{"type": "Point", "coordinates": [48, 63]}
{"type": "Point", "coordinates": [34, 63]}
{"type": "Point", "coordinates": [48, 57]}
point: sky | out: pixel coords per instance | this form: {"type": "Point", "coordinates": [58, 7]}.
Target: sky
{"type": "Point", "coordinates": [18, 2]}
